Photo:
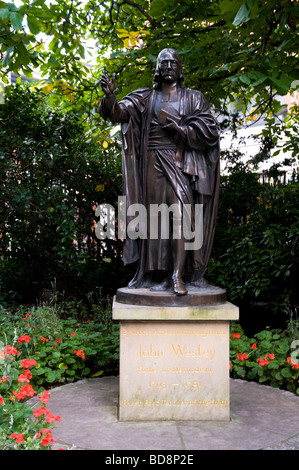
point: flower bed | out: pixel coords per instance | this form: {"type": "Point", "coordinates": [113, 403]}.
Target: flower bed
{"type": "Point", "coordinates": [270, 357]}
{"type": "Point", "coordinates": [37, 351]}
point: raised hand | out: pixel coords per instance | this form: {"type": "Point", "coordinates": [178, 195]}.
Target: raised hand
{"type": "Point", "coordinates": [107, 84]}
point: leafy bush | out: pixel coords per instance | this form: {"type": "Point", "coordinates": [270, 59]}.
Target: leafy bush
{"type": "Point", "coordinates": [270, 357]}
{"type": "Point", "coordinates": [21, 427]}
{"type": "Point", "coordinates": [39, 349]}
{"type": "Point", "coordinates": [53, 174]}
{"type": "Point", "coordinates": [64, 349]}
{"type": "Point", "coordinates": [255, 256]}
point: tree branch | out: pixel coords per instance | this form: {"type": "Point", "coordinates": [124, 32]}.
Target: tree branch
{"type": "Point", "coordinates": [139, 7]}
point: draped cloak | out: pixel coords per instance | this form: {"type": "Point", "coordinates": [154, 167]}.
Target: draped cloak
{"type": "Point", "coordinates": [197, 160]}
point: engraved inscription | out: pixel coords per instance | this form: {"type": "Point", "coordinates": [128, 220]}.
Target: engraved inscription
{"type": "Point", "coordinates": [212, 402]}
{"type": "Point", "coordinates": [175, 370]}
{"type": "Point", "coordinates": [151, 352]}
{"type": "Point", "coordinates": [182, 350]}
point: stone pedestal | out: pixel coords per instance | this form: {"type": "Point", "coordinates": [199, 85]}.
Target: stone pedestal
{"type": "Point", "coordinates": [174, 361]}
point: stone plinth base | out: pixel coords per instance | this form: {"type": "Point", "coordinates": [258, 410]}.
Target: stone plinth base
{"type": "Point", "coordinates": [174, 362]}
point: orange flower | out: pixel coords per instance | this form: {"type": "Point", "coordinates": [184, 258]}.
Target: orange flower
{"type": "Point", "coordinates": [263, 362]}
{"type": "Point", "coordinates": [26, 363]}
{"type": "Point", "coordinates": [270, 356]}
{"type": "Point", "coordinates": [18, 437]}
{"type": "Point", "coordinates": [44, 398]}
{"type": "Point", "coordinates": [26, 391]}
{"type": "Point", "coordinates": [242, 356]}
{"type": "Point", "coordinates": [24, 338]}
{"type": "Point", "coordinates": [80, 352]}
{"type": "Point", "coordinates": [10, 350]}
{"type": "Point", "coordinates": [236, 335]}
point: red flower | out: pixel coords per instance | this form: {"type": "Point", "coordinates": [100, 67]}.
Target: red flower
{"type": "Point", "coordinates": [295, 365]}
{"type": "Point", "coordinates": [263, 362]}
{"type": "Point", "coordinates": [81, 353]}
{"type": "Point", "coordinates": [24, 338]}
{"type": "Point", "coordinates": [26, 391]}
{"type": "Point", "coordinates": [47, 438]}
{"type": "Point", "coordinates": [1, 401]}
{"type": "Point", "coordinates": [73, 334]}
{"type": "Point", "coordinates": [19, 437]}
{"type": "Point", "coordinates": [10, 350]}
{"type": "Point", "coordinates": [254, 346]}
{"type": "Point", "coordinates": [27, 374]}
{"type": "Point", "coordinates": [26, 316]}
{"type": "Point", "coordinates": [43, 339]}
{"type": "Point", "coordinates": [58, 340]}
{"type": "Point", "coordinates": [242, 356]}
{"type": "Point", "coordinates": [40, 411]}
{"type": "Point", "coordinates": [50, 416]}
{"type": "Point", "coordinates": [44, 398]}
{"type": "Point", "coordinates": [23, 378]}
{"type": "Point", "coordinates": [26, 363]}
{"type": "Point", "coordinates": [236, 335]}
{"type": "Point", "coordinates": [270, 356]}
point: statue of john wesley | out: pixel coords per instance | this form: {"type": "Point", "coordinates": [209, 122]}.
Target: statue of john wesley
{"type": "Point", "coordinates": [170, 152]}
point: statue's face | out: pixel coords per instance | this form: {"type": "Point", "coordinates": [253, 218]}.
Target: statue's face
{"type": "Point", "coordinates": [169, 67]}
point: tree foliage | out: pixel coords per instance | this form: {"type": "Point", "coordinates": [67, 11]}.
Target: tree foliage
{"type": "Point", "coordinates": [231, 49]}
{"type": "Point", "coordinates": [234, 51]}
{"type": "Point", "coordinates": [255, 253]}
{"type": "Point", "coordinates": [52, 179]}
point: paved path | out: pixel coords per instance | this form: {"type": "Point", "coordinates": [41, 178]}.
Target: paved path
{"type": "Point", "coordinates": [261, 418]}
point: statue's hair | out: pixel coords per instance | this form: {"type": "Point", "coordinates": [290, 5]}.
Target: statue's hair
{"type": "Point", "coordinates": [157, 76]}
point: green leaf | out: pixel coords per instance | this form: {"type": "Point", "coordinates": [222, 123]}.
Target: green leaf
{"type": "Point", "coordinates": [15, 20]}
{"type": "Point", "coordinates": [258, 77]}
{"type": "Point", "coordinates": [263, 378]}
{"type": "Point", "coordinates": [245, 79]}
{"type": "Point", "coordinates": [285, 372]}
{"type": "Point", "coordinates": [4, 13]}
{"type": "Point", "coordinates": [242, 16]}
{"type": "Point", "coordinates": [51, 376]}
{"type": "Point", "coordinates": [9, 54]}
{"type": "Point", "coordinates": [34, 25]}
{"type": "Point", "coordinates": [97, 374]}
{"type": "Point", "coordinates": [283, 84]}
{"type": "Point", "coordinates": [23, 54]}
{"type": "Point", "coordinates": [273, 365]}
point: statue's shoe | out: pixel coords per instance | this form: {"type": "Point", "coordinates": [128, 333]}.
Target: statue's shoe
{"type": "Point", "coordinates": [178, 286]}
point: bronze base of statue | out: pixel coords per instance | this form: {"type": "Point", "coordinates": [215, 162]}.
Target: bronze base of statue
{"type": "Point", "coordinates": [197, 296]}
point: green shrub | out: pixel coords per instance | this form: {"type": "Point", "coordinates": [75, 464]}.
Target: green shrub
{"type": "Point", "coordinates": [270, 357]}
{"type": "Point", "coordinates": [64, 349]}
{"type": "Point", "coordinates": [255, 256]}
{"type": "Point", "coordinates": [53, 174]}
{"type": "Point", "coordinates": [39, 349]}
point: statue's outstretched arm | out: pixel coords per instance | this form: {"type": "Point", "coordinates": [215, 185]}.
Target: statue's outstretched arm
{"type": "Point", "coordinates": [109, 107]}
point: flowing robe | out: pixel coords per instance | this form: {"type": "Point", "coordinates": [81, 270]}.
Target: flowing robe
{"type": "Point", "coordinates": [192, 173]}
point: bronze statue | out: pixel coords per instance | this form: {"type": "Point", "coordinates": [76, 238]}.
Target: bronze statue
{"type": "Point", "coordinates": [170, 155]}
